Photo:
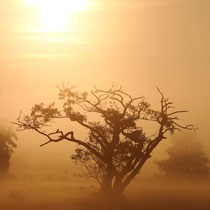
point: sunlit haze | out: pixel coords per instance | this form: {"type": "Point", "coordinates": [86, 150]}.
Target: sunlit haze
{"type": "Point", "coordinates": [55, 14]}
{"type": "Point", "coordinates": [139, 44]}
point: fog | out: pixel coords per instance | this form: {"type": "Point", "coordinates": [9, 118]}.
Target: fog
{"type": "Point", "coordinates": [144, 194]}
{"type": "Point", "coordinates": [136, 44]}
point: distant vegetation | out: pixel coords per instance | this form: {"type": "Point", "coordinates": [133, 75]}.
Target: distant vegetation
{"type": "Point", "coordinates": [116, 147]}
{"type": "Point", "coordinates": [186, 159]}
{"type": "Point", "coordinates": [7, 144]}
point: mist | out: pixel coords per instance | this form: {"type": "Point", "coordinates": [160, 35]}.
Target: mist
{"type": "Point", "coordinates": [64, 194]}
{"type": "Point", "coordinates": [139, 45]}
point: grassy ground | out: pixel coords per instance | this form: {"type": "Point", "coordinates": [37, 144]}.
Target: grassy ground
{"type": "Point", "coordinates": [142, 194]}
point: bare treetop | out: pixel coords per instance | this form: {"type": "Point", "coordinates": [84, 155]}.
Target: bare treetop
{"type": "Point", "coordinates": [116, 147]}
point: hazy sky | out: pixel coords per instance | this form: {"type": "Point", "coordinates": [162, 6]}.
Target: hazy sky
{"type": "Point", "coordinates": [140, 44]}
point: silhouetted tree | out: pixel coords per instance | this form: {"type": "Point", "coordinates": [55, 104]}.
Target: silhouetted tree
{"type": "Point", "coordinates": [186, 159]}
{"type": "Point", "coordinates": [116, 146]}
{"type": "Point", "coordinates": [7, 145]}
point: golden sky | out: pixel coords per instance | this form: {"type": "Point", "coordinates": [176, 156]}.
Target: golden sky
{"type": "Point", "coordinates": [140, 44]}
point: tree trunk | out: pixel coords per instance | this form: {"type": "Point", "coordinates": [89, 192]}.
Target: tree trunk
{"type": "Point", "coordinates": [112, 189]}
{"type": "Point", "coordinates": [107, 185]}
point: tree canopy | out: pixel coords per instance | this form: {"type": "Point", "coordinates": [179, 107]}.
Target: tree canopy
{"type": "Point", "coordinates": [7, 144]}
{"type": "Point", "coordinates": [116, 146]}
{"type": "Point", "coordinates": [186, 159]}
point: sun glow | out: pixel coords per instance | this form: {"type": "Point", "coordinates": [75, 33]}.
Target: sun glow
{"type": "Point", "coordinates": [55, 14]}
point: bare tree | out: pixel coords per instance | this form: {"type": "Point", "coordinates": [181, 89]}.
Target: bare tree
{"type": "Point", "coordinates": [116, 147]}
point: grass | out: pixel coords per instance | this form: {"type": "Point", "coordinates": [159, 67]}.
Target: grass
{"type": "Point", "coordinates": [71, 195]}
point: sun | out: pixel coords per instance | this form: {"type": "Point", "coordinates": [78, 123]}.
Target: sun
{"type": "Point", "coordinates": [55, 14]}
